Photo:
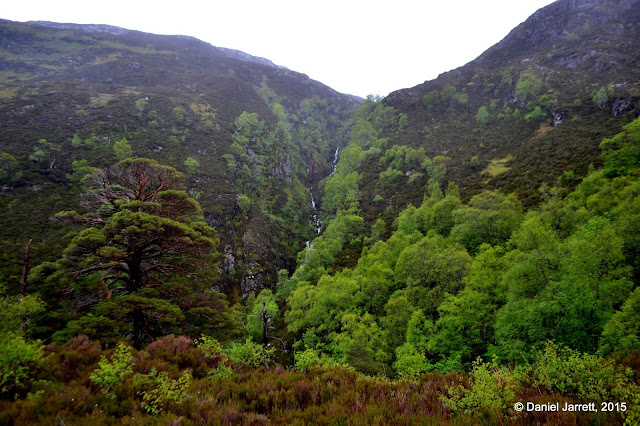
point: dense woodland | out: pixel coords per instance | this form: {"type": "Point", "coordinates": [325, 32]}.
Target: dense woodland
{"type": "Point", "coordinates": [232, 243]}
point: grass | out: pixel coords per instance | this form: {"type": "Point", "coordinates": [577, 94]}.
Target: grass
{"type": "Point", "coordinates": [498, 166]}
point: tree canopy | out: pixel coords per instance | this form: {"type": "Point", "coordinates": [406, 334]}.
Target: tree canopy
{"type": "Point", "coordinates": [143, 252]}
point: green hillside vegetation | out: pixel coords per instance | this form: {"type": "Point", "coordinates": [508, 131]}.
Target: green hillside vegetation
{"type": "Point", "coordinates": [546, 295]}
{"type": "Point", "coordinates": [249, 137]}
{"type": "Point", "coordinates": [191, 235]}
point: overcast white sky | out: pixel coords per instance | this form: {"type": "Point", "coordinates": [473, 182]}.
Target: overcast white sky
{"type": "Point", "coordinates": [354, 46]}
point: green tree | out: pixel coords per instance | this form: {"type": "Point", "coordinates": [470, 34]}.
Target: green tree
{"type": "Point", "coordinates": [141, 105]}
{"type": "Point", "coordinates": [535, 115]}
{"type": "Point", "coordinates": [449, 93]}
{"type": "Point", "coordinates": [122, 149]}
{"type": "Point", "coordinates": [192, 165]}
{"type": "Point", "coordinates": [431, 99]}
{"type": "Point", "coordinates": [621, 334]}
{"type": "Point", "coordinates": [621, 153]}
{"type": "Point", "coordinates": [255, 320]}
{"type": "Point", "coordinates": [178, 113]}
{"type": "Point", "coordinates": [602, 97]}
{"type": "Point", "coordinates": [397, 311]}
{"type": "Point", "coordinates": [19, 357]}
{"type": "Point", "coordinates": [482, 116]}
{"type": "Point", "coordinates": [489, 218]}
{"type": "Point", "coordinates": [143, 236]}
{"type": "Point", "coordinates": [80, 169]}
{"type": "Point", "coordinates": [409, 361]}
{"type": "Point", "coordinates": [360, 343]}
{"type": "Point", "coordinates": [528, 86]}
{"type": "Point", "coordinates": [429, 269]}
{"type": "Point", "coordinates": [9, 169]}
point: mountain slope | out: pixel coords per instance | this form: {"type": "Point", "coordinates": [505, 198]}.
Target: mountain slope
{"type": "Point", "coordinates": [558, 60]}
{"type": "Point", "coordinates": [69, 93]}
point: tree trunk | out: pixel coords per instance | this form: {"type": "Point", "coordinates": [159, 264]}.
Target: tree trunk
{"type": "Point", "coordinates": [139, 323]}
{"type": "Point", "coordinates": [265, 324]}
{"type": "Point", "coordinates": [135, 284]}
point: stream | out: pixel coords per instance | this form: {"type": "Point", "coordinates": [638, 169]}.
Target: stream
{"type": "Point", "coordinates": [315, 219]}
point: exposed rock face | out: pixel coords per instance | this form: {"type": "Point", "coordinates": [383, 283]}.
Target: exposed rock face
{"type": "Point", "coordinates": [251, 284]}
{"type": "Point", "coordinates": [559, 117]}
{"type": "Point", "coordinates": [620, 106]}
{"type": "Point", "coordinates": [559, 21]}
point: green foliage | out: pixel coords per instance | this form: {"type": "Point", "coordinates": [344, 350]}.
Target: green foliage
{"type": "Point", "coordinates": [535, 115]}
{"type": "Point", "coordinates": [390, 175]}
{"type": "Point", "coordinates": [410, 362]}
{"type": "Point", "coordinates": [147, 238]}
{"type": "Point", "coordinates": [587, 377]}
{"type": "Point", "coordinates": [162, 391]}
{"type": "Point", "coordinates": [482, 115]}
{"type": "Point", "coordinates": [255, 324]}
{"type": "Point", "coordinates": [178, 113]}
{"type": "Point", "coordinates": [602, 97]}
{"type": "Point", "coordinates": [18, 311]}
{"type": "Point", "coordinates": [76, 141]}
{"type": "Point", "coordinates": [431, 99]}
{"type": "Point", "coordinates": [250, 354]}
{"type": "Point", "coordinates": [490, 218]}
{"type": "Point", "coordinates": [306, 360]}
{"type": "Point", "coordinates": [18, 359]}
{"type": "Point", "coordinates": [621, 153]}
{"type": "Point", "coordinates": [360, 344]}
{"type": "Point", "coordinates": [110, 374]}
{"type": "Point", "coordinates": [141, 105]}
{"type": "Point", "coordinates": [192, 165]}
{"type": "Point", "coordinates": [622, 332]}
{"type": "Point", "coordinates": [403, 122]}
{"type": "Point", "coordinates": [244, 203]}
{"type": "Point", "coordinates": [492, 388]}
{"type": "Point", "coordinates": [449, 92]}
{"type": "Point", "coordinates": [9, 169]}
{"type": "Point", "coordinates": [122, 149]}
{"type": "Point", "coordinates": [309, 359]}
{"type": "Point", "coordinates": [528, 86]}
{"type": "Point", "coordinates": [80, 169]}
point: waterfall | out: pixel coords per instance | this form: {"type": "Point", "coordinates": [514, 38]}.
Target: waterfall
{"type": "Point", "coordinates": [335, 160]}
{"type": "Point", "coordinates": [316, 220]}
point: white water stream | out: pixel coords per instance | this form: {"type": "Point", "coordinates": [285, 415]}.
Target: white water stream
{"type": "Point", "coordinates": [316, 221]}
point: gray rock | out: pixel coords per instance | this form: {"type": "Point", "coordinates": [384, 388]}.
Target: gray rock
{"type": "Point", "coordinates": [621, 106]}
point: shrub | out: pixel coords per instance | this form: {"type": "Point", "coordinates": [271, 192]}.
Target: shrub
{"type": "Point", "coordinates": [535, 115]}
{"type": "Point", "coordinates": [390, 175]}
{"type": "Point", "coordinates": [572, 373]}
{"type": "Point", "coordinates": [163, 390]}
{"type": "Point", "coordinates": [111, 374]}
{"type": "Point", "coordinates": [492, 388]}
{"type": "Point", "coordinates": [410, 362]}
{"type": "Point", "coordinates": [17, 360]}
{"type": "Point", "coordinates": [307, 359]}
{"type": "Point", "coordinates": [250, 354]}
{"type": "Point", "coordinates": [244, 203]}
{"type": "Point", "coordinates": [192, 165]}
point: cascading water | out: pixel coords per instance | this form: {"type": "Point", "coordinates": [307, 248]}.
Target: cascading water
{"type": "Point", "coordinates": [335, 160]}
{"type": "Point", "coordinates": [316, 220]}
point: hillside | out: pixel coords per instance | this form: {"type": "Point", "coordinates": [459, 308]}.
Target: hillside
{"type": "Point", "coordinates": [192, 235]}
{"type": "Point", "coordinates": [537, 88]}
{"type": "Point", "coordinates": [70, 92]}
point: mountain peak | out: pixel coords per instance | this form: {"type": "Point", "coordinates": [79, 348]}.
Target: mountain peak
{"type": "Point", "coordinates": [600, 21]}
